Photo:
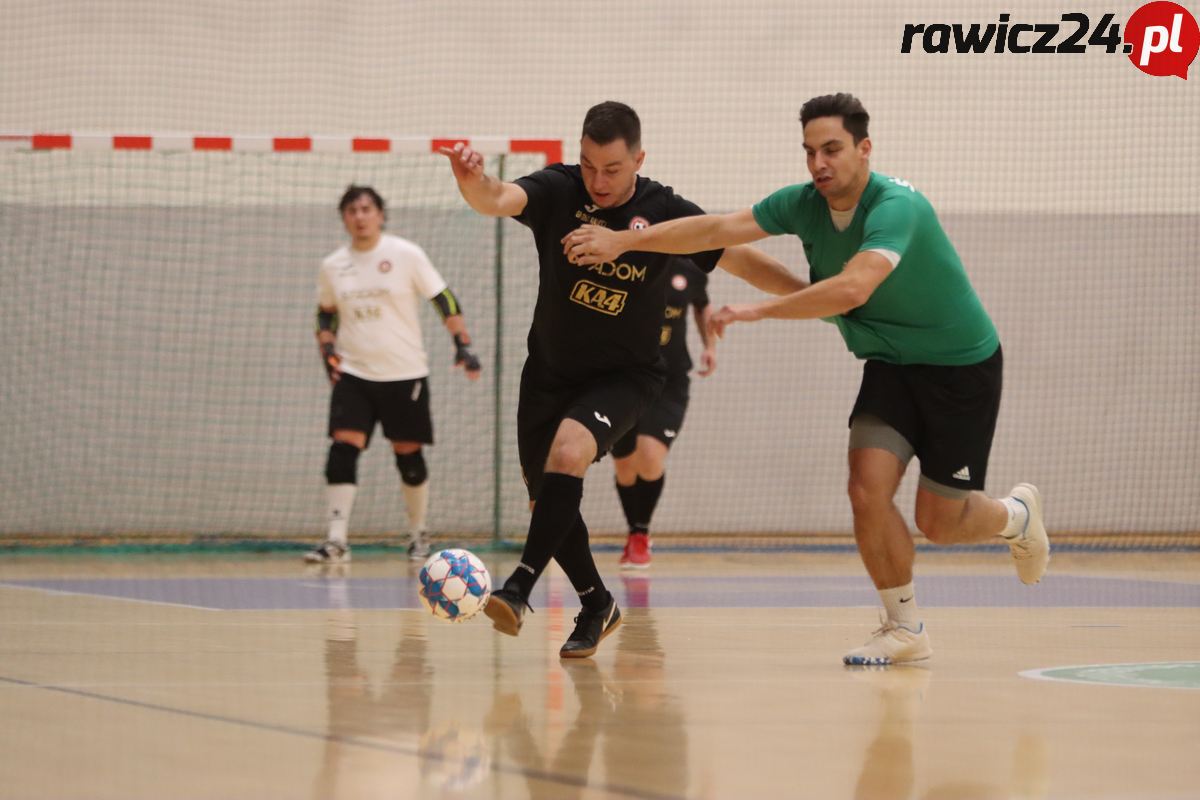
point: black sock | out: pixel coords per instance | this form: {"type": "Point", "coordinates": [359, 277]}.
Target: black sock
{"type": "Point", "coordinates": [629, 504]}
{"type": "Point", "coordinates": [575, 558]}
{"type": "Point", "coordinates": [648, 494]}
{"type": "Point", "coordinates": [553, 517]}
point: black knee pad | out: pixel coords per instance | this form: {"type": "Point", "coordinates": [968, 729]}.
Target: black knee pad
{"type": "Point", "coordinates": [412, 468]}
{"type": "Point", "coordinates": [342, 465]}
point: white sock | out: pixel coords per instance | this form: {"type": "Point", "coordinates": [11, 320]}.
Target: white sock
{"type": "Point", "coordinates": [340, 497]}
{"type": "Point", "coordinates": [901, 606]}
{"type": "Point", "coordinates": [1018, 517]}
{"type": "Point", "coordinates": [416, 502]}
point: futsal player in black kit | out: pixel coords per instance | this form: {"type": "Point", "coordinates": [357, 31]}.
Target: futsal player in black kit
{"type": "Point", "coordinates": [639, 457]}
{"type": "Point", "coordinates": [594, 365]}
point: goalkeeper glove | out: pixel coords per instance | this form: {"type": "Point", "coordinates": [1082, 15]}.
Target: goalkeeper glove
{"type": "Point", "coordinates": [329, 358]}
{"type": "Point", "coordinates": [464, 357]}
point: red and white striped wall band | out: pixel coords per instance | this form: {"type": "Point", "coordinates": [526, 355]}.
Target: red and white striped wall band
{"type": "Point", "coordinates": [551, 149]}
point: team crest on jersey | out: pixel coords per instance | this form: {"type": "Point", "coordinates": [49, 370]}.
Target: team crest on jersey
{"type": "Point", "coordinates": [385, 267]}
{"type": "Point", "coordinates": [599, 298]}
{"type": "Point", "coordinates": [679, 282]}
{"type": "Point", "coordinates": [638, 223]}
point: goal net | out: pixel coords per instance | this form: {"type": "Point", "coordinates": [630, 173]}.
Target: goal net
{"type": "Point", "coordinates": [162, 376]}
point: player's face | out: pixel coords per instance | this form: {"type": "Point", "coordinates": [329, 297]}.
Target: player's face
{"type": "Point", "coordinates": [363, 219]}
{"type": "Point", "coordinates": [838, 166]}
{"type": "Point", "coordinates": [609, 171]}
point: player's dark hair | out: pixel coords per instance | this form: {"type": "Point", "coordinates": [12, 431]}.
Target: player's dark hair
{"type": "Point", "coordinates": [854, 117]}
{"type": "Point", "coordinates": [608, 121]}
{"type": "Point", "coordinates": [354, 192]}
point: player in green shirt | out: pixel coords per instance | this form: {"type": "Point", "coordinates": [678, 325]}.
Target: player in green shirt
{"type": "Point", "coordinates": [882, 270]}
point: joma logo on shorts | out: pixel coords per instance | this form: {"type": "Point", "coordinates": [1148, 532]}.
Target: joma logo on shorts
{"type": "Point", "coordinates": [599, 298]}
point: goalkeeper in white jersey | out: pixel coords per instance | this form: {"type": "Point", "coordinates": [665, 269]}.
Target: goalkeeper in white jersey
{"type": "Point", "coordinates": [370, 339]}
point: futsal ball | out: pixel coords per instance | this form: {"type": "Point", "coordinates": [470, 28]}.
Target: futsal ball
{"type": "Point", "coordinates": [455, 585]}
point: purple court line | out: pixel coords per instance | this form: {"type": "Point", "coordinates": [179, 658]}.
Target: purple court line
{"type": "Point", "coordinates": [754, 591]}
{"type": "Point", "coordinates": [352, 741]}
{"type": "Point", "coordinates": [19, 585]}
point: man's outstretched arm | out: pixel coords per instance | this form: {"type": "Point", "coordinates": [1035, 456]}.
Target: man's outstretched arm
{"type": "Point", "coordinates": [760, 270]}
{"type": "Point", "coordinates": [591, 244]}
{"type": "Point", "coordinates": [487, 195]}
{"type": "Point", "coordinates": [847, 290]}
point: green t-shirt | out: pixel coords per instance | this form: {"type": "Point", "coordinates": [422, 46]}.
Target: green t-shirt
{"type": "Point", "coordinates": [925, 311]}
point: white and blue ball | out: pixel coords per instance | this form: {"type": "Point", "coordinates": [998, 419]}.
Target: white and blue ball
{"type": "Point", "coordinates": [454, 585]}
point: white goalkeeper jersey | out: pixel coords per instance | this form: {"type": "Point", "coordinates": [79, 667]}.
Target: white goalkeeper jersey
{"type": "Point", "coordinates": [377, 295]}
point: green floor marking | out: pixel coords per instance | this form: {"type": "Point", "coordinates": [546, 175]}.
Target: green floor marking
{"type": "Point", "coordinates": [1162, 675]}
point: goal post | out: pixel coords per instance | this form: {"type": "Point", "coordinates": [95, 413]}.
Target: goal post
{"type": "Point", "coordinates": [162, 378]}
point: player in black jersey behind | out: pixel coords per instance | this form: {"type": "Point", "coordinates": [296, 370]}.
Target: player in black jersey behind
{"type": "Point", "coordinates": [639, 457]}
{"type": "Point", "coordinates": [594, 365]}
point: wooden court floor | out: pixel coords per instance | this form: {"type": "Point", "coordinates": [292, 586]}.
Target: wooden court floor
{"type": "Point", "coordinates": [246, 676]}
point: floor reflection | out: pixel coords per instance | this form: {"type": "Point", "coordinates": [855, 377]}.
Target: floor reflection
{"type": "Point", "coordinates": [626, 713]}
{"type": "Point", "coordinates": [889, 769]}
{"type": "Point", "coordinates": [399, 710]}
{"type": "Point", "coordinates": [621, 726]}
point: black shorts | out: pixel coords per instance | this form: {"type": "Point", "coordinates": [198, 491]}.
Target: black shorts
{"type": "Point", "coordinates": [663, 421]}
{"type": "Point", "coordinates": [402, 406]}
{"type": "Point", "coordinates": [947, 414]}
{"type": "Point", "coordinates": [608, 405]}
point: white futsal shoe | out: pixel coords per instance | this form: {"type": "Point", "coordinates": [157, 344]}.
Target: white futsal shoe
{"type": "Point", "coordinates": [1031, 547]}
{"type": "Point", "coordinates": [329, 552]}
{"type": "Point", "coordinates": [891, 643]}
{"type": "Point", "coordinates": [418, 545]}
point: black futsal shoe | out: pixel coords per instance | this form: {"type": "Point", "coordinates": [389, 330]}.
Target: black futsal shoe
{"type": "Point", "coordinates": [590, 628]}
{"type": "Point", "coordinates": [506, 609]}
